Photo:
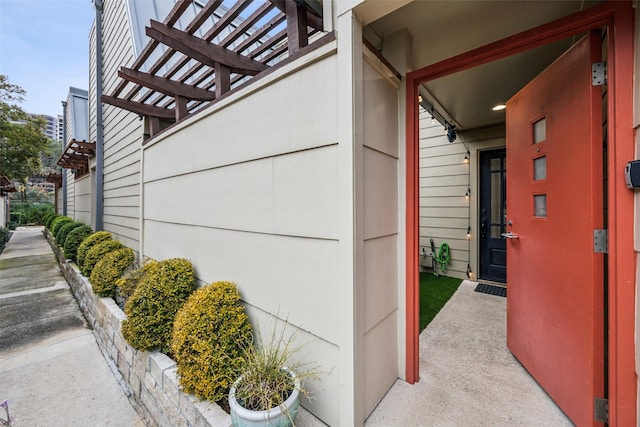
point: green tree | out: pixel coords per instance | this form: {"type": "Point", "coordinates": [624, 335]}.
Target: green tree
{"type": "Point", "coordinates": [22, 140]}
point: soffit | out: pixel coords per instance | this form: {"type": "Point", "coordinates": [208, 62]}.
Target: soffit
{"type": "Point", "coordinates": [442, 29]}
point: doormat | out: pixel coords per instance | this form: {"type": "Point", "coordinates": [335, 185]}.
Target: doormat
{"type": "Point", "coordinates": [486, 288]}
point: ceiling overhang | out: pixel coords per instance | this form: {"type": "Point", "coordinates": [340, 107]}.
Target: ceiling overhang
{"type": "Point", "coordinates": [183, 69]}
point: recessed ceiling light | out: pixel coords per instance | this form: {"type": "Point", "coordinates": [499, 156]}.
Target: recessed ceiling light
{"type": "Point", "coordinates": [499, 107]}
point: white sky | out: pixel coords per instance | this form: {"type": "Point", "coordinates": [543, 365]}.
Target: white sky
{"type": "Point", "coordinates": [44, 48]}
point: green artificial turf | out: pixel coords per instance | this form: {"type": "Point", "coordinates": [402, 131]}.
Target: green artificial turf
{"type": "Point", "coordinates": [435, 291]}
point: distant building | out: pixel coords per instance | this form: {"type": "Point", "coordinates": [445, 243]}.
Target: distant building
{"type": "Point", "coordinates": [60, 129]}
{"type": "Point", "coordinates": [51, 125]}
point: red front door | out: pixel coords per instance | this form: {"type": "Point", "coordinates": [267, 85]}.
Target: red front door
{"type": "Point", "coordinates": [555, 303]}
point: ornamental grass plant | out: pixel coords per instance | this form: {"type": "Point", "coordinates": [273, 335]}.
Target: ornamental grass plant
{"type": "Point", "coordinates": [266, 382]}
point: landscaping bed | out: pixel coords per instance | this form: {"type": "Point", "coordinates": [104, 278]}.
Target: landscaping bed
{"type": "Point", "coordinates": [149, 379]}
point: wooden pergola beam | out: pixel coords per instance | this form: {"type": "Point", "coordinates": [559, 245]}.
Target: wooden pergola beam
{"type": "Point", "coordinates": [313, 20]}
{"type": "Point", "coordinates": [166, 86]}
{"type": "Point", "coordinates": [139, 108]}
{"type": "Point", "coordinates": [172, 18]}
{"type": "Point", "coordinates": [202, 50]}
{"type": "Point", "coordinates": [297, 36]}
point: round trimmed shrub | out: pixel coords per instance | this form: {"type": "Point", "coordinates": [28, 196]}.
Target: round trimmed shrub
{"type": "Point", "coordinates": [127, 284]}
{"type": "Point", "coordinates": [48, 218]}
{"type": "Point", "coordinates": [57, 223]}
{"type": "Point", "coordinates": [73, 240]}
{"type": "Point", "coordinates": [210, 333]}
{"type": "Point", "coordinates": [109, 269]}
{"type": "Point", "coordinates": [64, 231]}
{"type": "Point", "coordinates": [96, 253]}
{"type": "Point", "coordinates": [152, 308]}
{"type": "Point", "coordinates": [89, 242]}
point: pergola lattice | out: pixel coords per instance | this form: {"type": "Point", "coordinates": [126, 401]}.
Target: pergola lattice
{"type": "Point", "coordinates": [76, 156]}
{"type": "Point", "coordinates": [182, 70]}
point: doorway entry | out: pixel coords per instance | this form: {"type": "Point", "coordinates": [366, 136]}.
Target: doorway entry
{"type": "Point", "coordinates": [492, 215]}
{"type": "Point", "coordinates": [617, 17]}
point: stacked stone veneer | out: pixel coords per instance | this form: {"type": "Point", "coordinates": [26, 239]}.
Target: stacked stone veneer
{"type": "Point", "coordinates": [148, 378]}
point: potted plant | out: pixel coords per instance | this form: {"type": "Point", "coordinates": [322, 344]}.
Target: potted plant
{"type": "Point", "coordinates": [267, 393]}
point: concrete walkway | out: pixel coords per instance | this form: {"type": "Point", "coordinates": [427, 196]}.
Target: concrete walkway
{"type": "Point", "coordinates": [51, 369]}
{"type": "Point", "coordinates": [468, 377]}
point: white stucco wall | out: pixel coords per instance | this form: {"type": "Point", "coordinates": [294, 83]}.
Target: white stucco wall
{"type": "Point", "coordinates": [247, 190]}
{"type": "Point", "coordinates": [82, 200]}
{"type": "Point", "coordinates": [380, 234]}
{"type": "Point", "coordinates": [71, 193]}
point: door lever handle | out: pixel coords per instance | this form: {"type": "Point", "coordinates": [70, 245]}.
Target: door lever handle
{"type": "Point", "coordinates": [510, 235]}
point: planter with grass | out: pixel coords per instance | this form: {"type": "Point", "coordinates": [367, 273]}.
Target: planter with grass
{"type": "Point", "coordinates": [267, 393]}
{"type": "Point", "coordinates": [280, 415]}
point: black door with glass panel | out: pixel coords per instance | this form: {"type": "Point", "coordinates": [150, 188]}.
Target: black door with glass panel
{"type": "Point", "coordinates": [493, 205]}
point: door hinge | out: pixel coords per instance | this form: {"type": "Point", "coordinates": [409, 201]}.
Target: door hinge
{"type": "Point", "coordinates": [601, 410]}
{"type": "Point", "coordinates": [598, 73]}
{"type": "Point", "coordinates": [600, 241]}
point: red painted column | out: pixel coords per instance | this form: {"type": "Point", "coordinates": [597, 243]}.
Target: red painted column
{"type": "Point", "coordinates": [622, 375]}
{"type": "Point", "coordinates": [412, 239]}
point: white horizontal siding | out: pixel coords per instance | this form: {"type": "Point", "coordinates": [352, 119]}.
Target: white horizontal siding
{"type": "Point", "coordinates": [122, 133]}
{"type": "Point", "coordinates": [444, 209]}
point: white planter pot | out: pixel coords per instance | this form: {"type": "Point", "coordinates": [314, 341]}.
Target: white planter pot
{"type": "Point", "coordinates": [280, 416]}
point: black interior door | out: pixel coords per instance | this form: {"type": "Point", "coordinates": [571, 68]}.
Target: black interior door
{"type": "Point", "coordinates": [493, 205]}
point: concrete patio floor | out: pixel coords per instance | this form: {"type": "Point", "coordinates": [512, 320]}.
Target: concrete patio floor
{"type": "Point", "coordinates": [468, 377]}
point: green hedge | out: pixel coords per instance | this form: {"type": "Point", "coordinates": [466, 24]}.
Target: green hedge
{"type": "Point", "coordinates": [57, 223]}
{"type": "Point", "coordinates": [88, 243]}
{"type": "Point", "coordinates": [109, 269]}
{"type": "Point", "coordinates": [152, 308]}
{"type": "Point", "coordinates": [73, 240]}
{"type": "Point", "coordinates": [4, 237]}
{"type": "Point", "coordinates": [96, 253]}
{"type": "Point", "coordinates": [48, 218]}
{"type": "Point", "coordinates": [210, 333]}
{"type": "Point", "coordinates": [127, 284]}
{"type": "Point", "coordinates": [64, 231]}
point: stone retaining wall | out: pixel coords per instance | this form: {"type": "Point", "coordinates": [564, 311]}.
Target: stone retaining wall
{"type": "Point", "coordinates": [149, 378]}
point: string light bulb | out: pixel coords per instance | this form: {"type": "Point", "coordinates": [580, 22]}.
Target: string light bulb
{"type": "Point", "coordinates": [470, 274]}
{"type": "Point", "coordinates": [469, 232]}
{"type": "Point", "coordinates": [466, 157]}
{"type": "Point", "coordinates": [433, 120]}
{"type": "Point", "coordinates": [468, 194]}
{"type": "Point", "coordinates": [419, 98]}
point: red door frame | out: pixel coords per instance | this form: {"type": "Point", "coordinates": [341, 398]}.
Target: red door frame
{"type": "Point", "coordinates": [618, 16]}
